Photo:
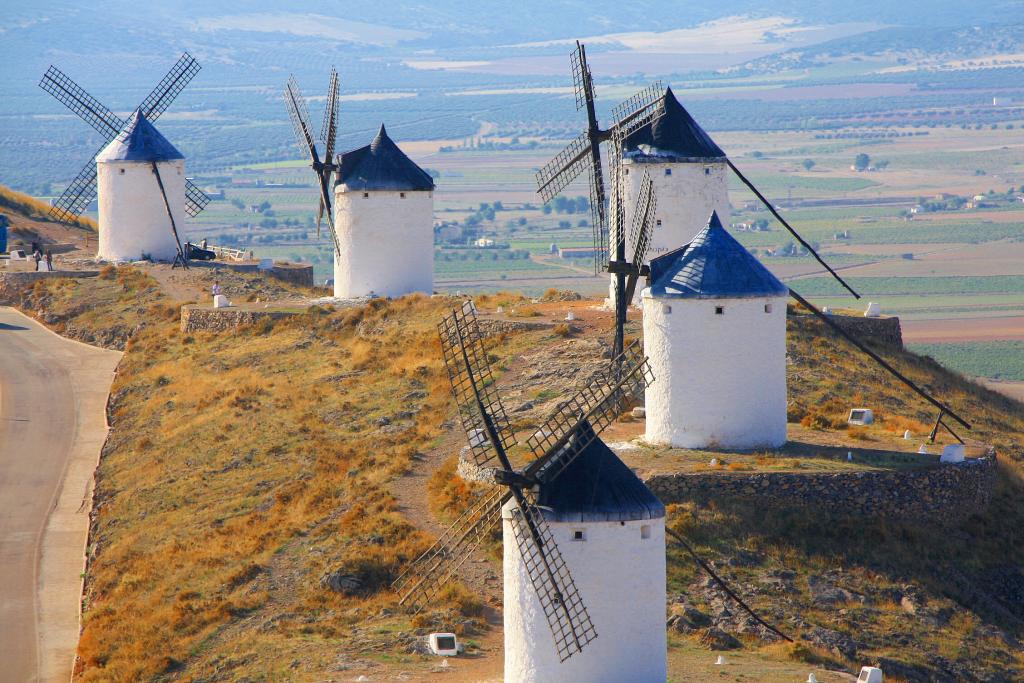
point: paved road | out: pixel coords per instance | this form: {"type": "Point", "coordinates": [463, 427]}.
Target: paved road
{"type": "Point", "coordinates": [52, 397]}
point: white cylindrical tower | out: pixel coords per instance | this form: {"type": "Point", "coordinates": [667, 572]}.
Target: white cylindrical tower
{"type": "Point", "coordinates": [689, 173]}
{"type": "Point", "coordinates": [610, 530]}
{"type": "Point", "coordinates": [384, 220]}
{"type": "Point", "coordinates": [133, 218]}
{"type": "Point", "coordinates": [715, 334]}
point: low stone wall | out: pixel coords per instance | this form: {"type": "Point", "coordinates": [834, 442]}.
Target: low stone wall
{"type": "Point", "coordinates": [947, 491]}
{"type": "Point", "coordinates": [195, 318]}
{"type": "Point", "coordinates": [493, 326]}
{"type": "Point", "coordinates": [11, 283]}
{"type": "Point", "coordinates": [884, 330]}
{"type": "Point", "coordinates": [294, 273]}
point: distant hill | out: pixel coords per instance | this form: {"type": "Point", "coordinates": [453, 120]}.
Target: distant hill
{"type": "Point", "coordinates": [907, 42]}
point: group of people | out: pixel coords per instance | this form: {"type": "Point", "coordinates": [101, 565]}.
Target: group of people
{"type": "Point", "coordinates": [42, 257]}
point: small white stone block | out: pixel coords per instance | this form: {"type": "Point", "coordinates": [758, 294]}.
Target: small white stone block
{"type": "Point", "coordinates": [811, 678]}
{"type": "Point", "coordinates": [952, 453]}
{"type": "Point", "coordinates": [639, 412]}
{"type": "Point", "coordinates": [923, 450]}
{"type": "Point", "coordinates": [221, 301]}
{"type": "Point", "coordinates": [907, 434]}
{"type": "Point", "coordinates": [570, 316]}
{"type": "Point", "coordinates": [827, 311]}
{"type": "Point", "coordinates": [721, 660]}
{"type": "Point", "coordinates": [870, 674]}
{"type": "Point", "coordinates": [873, 310]}
{"type": "Point", "coordinates": [861, 416]}
{"type": "Point", "coordinates": [714, 462]}
{"type": "Point", "coordinates": [501, 309]}
{"type": "Point", "coordinates": [443, 645]}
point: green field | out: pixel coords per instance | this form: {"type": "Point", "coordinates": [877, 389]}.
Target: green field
{"type": "Point", "coordinates": [990, 359]}
{"type": "Point", "coordinates": [931, 286]}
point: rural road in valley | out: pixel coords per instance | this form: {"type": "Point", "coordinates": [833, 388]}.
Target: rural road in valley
{"type": "Point", "coordinates": [53, 393]}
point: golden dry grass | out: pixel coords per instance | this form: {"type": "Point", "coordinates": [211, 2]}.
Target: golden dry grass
{"type": "Point", "coordinates": [32, 207]}
{"type": "Point", "coordinates": [242, 467]}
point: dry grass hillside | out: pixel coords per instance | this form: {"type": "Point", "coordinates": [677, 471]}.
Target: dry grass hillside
{"type": "Point", "coordinates": [29, 221]}
{"type": "Point", "coordinates": [244, 468]}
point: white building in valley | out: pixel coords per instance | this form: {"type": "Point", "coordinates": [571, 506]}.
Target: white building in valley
{"type": "Point", "coordinates": [689, 173]}
{"type": "Point", "coordinates": [610, 530]}
{"type": "Point", "coordinates": [384, 219]}
{"type": "Point", "coordinates": [715, 334]}
{"type": "Point", "coordinates": [135, 174]}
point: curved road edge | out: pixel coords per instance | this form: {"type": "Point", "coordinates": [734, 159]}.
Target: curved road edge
{"type": "Point", "coordinates": [53, 395]}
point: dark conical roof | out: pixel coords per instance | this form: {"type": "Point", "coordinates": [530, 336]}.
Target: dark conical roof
{"type": "Point", "coordinates": [597, 487]}
{"type": "Point", "coordinates": [676, 134]}
{"type": "Point", "coordinates": [713, 266]}
{"type": "Point", "coordinates": [139, 141]}
{"type": "Point", "coordinates": [381, 165]}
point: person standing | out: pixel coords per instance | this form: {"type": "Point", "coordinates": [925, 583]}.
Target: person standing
{"type": "Point", "coordinates": [49, 261]}
{"type": "Point", "coordinates": [37, 257]}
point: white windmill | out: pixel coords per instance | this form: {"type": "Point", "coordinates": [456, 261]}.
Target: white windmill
{"type": "Point", "coordinates": [138, 175]}
{"type": "Point", "coordinates": [687, 168]}
{"type": "Point", "coordinates": [577, 524]}
{"type": "Point", "coordinates": [715, 334]}
{"type": "Point", "coordinates": [382, 220]}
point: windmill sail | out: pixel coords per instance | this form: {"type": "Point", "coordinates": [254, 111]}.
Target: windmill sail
{"type": "Point", "coordinates": [82, 190]}
{"type": "Point", "coordinates": [472, 382]}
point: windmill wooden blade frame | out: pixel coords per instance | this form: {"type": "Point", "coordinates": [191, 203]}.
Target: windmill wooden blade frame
{"type": "Point", "coordinates": [565, 167]}
{"type": "Point", "coordinates": [195, 199]}
{"type": "Point", "coordinates": [642, 229]}
{"type": "Point", "coordinates": [88, 108]}
{"type": "Point", "coordinates": [599, 403]}
{"type": "Point", "coordinates": [643, 219]}
{"type": "Point", "coordinates": [183, 71]}
{"type": "Point", "coordinates": [473, 386]}
{"type": "Point", "coordinates": [422, 580]}
{"type": "Point", "coordinates": [79, 194]}
{"type": "Point", "coordinates": [560, 600]}
{"type": "Point", "coordinates": [299, 115]}
{"type": "Point", "coordinates": [329, 127]}
{"type": "Point", "coordinates": [581, 76]}
{"type": "Point", "coordinates": [639, 109]}
{"type": "Point", "coordinates": [599, 218]}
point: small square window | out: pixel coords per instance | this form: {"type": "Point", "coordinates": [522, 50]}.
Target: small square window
{"type": "Point", "coordinates": [767, 308]}
{"type": "Point", "coordinates": [707, 171]}
{"type": "Point", "coordinates": [668, 171]}
{"type": "Point", "coordinates": [666, 309]}
{"type": "Point", "coordinates": [122, 171]}
{"type": "Point", "coordinates": [366, 195]}
{"type": "Point", "coordinates": [658, 222]}
{"type": "Point", "coordinates": [579, 535]}
{"type": "Point", "coordinates": [401, 195]}
{"type": "Point", "coordinates": [719, 310]}
{"type": "Point", "coordinates": [626, 172]}
{"type": "Point", "coordinates": [645, 531]}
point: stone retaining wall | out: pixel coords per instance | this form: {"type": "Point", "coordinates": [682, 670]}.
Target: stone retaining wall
{"type": "Point", "coordinates": [195, 318]}
{"type": "Point", "coordinates": [940, 492]}
{"type": "Point", "coordinates": [884, 330]}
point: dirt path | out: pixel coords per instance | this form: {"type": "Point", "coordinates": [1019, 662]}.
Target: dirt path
{"type": "Point", "coordinates": [480, 573]}
{"type": "Point", "coordinates": [53, 394]}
